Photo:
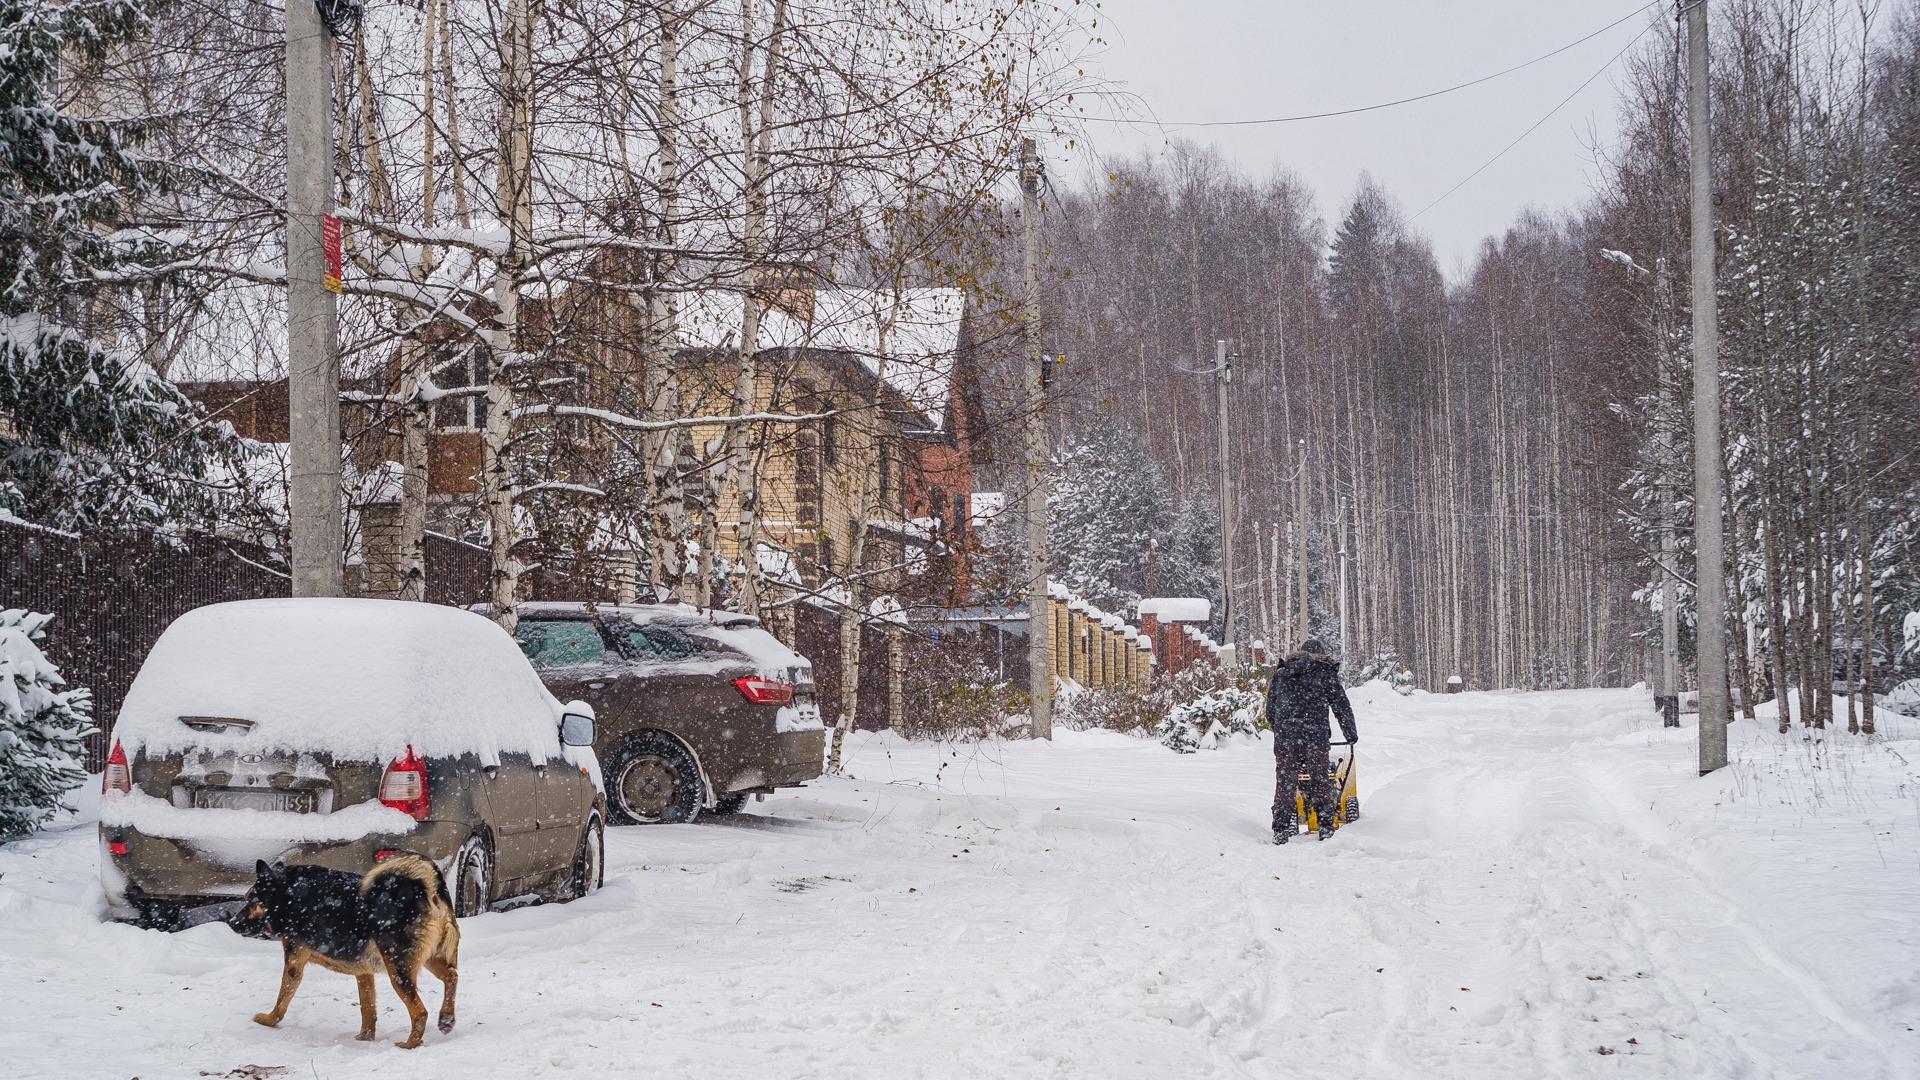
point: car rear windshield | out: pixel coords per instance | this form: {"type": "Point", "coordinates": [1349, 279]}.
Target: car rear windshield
{"type": "Point", "coordinates": [552, 643]}
{"type": "Point", "coordinates": [658, 641]}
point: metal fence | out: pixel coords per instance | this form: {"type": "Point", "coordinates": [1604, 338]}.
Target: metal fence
{"type": "Point", "coordinates": [112, 595]}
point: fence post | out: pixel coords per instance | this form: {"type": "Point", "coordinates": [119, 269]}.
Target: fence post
{"type": "Point", "coordinates": [380, 557]}
{"type": "Point", "coordinates": [896, 673]}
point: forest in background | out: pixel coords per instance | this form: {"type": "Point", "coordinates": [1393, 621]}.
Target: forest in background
{"type": "Point", "coordinates": [1495, 453]}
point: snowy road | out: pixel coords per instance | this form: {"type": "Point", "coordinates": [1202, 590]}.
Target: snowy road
{"type": "Point", "coordinates": [1539, 887]}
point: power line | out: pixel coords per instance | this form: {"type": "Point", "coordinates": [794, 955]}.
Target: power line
{"type": "Point", "coordinates": [1386, 104]}
{"type": "Point", "coordinates": [1484, 166]}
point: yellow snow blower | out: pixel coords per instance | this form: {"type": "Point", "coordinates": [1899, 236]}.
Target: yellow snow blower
{"type": "Point", "coordinates": [1346, 802]}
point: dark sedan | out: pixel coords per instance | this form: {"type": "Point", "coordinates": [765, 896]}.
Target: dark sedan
{"type": "Point", "coordinates": [697, 710]}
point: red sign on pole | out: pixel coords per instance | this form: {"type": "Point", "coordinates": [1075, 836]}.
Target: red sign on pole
{"type": "Point", "coordinates": [330, 250]}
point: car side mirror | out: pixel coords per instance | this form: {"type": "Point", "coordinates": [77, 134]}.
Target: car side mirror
{"type": "Point", "coordinates": [576, 724]}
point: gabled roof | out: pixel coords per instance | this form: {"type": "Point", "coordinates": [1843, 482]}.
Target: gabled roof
{"type": "Point", "coordinates": [912, 336]}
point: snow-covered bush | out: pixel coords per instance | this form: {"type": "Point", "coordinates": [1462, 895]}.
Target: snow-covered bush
{"type": "Point", "coordinates": [1402, 680]}
{"type": "Point", "coordinates": [1384, 664]}
{"type": "Point", "coordinates": [43, 727]}
{"type": "Point", "coordinates": [1211, 719]}
{"type": "Point", "coordinates": [952, 694]}
{"type": "Point", "coordinates": [1130, 708]}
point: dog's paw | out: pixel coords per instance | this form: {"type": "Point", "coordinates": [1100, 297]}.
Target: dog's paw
{"type": "Point", "coordinates": [266, 1019]}
{"type": "Point", "coordinates": [365, 1036]}
{"type": "Point", "coordinates": [446, 1023]}
{"type": "Point", "coordinates": [408, 1045]}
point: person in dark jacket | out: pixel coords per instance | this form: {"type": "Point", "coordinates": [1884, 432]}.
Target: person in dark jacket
{"type": "Point", "coordinates": [1305, 687]}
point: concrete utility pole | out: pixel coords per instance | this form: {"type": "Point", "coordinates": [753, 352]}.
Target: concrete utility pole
{"type": "Point", "coordinates": [1343, 576]}
{"type": "Point", "coordinates": [1039, 641]}
{"type": "Point", "coordinates": [1710, 590]}
{"type": "Point", "coordinates": [1669, 554]}
{"type": "Point", "coordinates": [1300, 546]}
{"type": "Point", "coordinates": [313, 357]}
{"type": "Point", "coordinates": [1223, 378]}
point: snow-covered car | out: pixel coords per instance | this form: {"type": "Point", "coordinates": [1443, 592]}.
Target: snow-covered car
{"type": "Point", "coordinates": [334, 732]}
{"type": "Point", "coordinates": [698, 710]}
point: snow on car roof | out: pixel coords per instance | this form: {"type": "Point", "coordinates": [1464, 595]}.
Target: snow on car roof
{"type": "Point", "coordinates": [359, 679]}
{"type": "Point", "coordinates": [641, 613]}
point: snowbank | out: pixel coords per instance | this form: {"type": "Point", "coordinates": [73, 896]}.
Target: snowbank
{"type": "Point", "coordinates": [361, 680]}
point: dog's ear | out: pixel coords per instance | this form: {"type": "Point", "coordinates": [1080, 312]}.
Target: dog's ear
{"type": "Point", "coordinates": [264, 872]}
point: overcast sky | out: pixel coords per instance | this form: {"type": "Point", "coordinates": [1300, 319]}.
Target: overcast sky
{"type": "Point", "coordinates": [1234, 59]}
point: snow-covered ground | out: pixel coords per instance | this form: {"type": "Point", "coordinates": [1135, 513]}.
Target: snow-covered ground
{"type": "Point", "coordinates": [1539, 886]}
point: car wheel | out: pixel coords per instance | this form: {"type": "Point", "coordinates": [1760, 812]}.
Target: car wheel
{"type": "Point", "coordinates": [589, 863]}
{"type": "Point", "coordinates": [472, 877]}
{"type": "Point", "coordinates": [654, 782]}
{"type": "Point", "coordinates": [1353, 808]}
{"type": "Point", "coordinates": [730, 804]}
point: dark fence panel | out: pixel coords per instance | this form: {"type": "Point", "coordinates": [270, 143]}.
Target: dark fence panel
{"type": "Point", "coordinates": [817, 637]}
{"type": "Point", "coordinates": [111, 596]}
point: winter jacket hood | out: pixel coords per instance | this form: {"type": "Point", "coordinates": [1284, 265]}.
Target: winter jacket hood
{"type": "Point", "coordinates": [1305, 688]}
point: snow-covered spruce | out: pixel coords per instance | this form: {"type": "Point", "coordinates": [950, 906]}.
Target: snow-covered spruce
{"type": "Point", "coordinates": [1211, 719]}
{"type": "Point", "coordinates": [43, 727]}
{"type": "Point", "coordinates": [90, 434]}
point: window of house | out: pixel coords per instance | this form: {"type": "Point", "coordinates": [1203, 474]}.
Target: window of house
{"type": "Point", "coordinates": [553, 643]}
{"type": "Point", "coordinates": [958, 527]}
{"type": "Point", "coordinates": [886, 476]}
{"type": "Point", "coordinates": [463, 412]}
{"type": "Point", "coordinates": [826, 554]}
{"type": "Point", "coordinates": [829, 440]}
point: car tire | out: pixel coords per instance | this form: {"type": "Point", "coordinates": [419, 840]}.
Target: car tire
{"type": "Point", "coordinates": [472, 877]}
{"type": "Point", "coordinates": [1353, 808]}
{"type": "Point", "coordinates": [653, 781]}
{"type": "Point", "coordinates": [589, 869]}
{"type": "Point", "coordinates": [730, 804]}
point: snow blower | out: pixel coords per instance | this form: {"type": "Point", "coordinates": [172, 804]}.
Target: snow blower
{"type": "Point", "coordinates": [1346, 803]}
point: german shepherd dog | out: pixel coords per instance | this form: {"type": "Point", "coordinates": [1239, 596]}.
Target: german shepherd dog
{"type": "Point", "coordinates": [397, 916]}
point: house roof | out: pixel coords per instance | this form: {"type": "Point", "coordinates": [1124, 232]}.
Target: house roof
{"type": "Point", "coordinates": [909, 336]}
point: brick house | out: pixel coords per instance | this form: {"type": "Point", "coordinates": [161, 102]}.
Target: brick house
{"type": "Point", "coordinates": [820, 351]}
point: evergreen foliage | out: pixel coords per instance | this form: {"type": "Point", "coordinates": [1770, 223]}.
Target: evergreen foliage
{"type": "Point", "coordinates": [90, 436]}
{"type": "Point", "coordinates": [43, 727]}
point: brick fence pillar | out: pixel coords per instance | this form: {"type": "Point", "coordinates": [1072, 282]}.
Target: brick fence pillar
{"type": "Point", "coordinates": [380, 556]}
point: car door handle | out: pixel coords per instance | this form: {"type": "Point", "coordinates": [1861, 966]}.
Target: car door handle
{"type": "Point", "coordinates": [595, 685]}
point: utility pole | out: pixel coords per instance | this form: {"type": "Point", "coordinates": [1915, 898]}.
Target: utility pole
{"type": "Point", "coordinates": [1222, 378]}
{"type": "Point", "coordinates": [313, 358]}
{"type": "Point", "coordinates": [1669, 555]}
{"type": "Point", "coordinates": [1039, 651]}
{"type": "Point", "coordinates": [1710, 576]}
{"type": "Point", "coordinates": [1343, 576]}
{"type": "Point", "coordinates": [1300, 545]}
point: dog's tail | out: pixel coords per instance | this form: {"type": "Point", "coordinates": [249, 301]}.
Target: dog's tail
{"type": "Point", "coordinates": [408, 864]}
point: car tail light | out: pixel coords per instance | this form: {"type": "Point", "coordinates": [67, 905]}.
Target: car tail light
{"type": "Point", "coordinates": [116, 847]}
{"type": "Point", "coordinates": [404, 787]}
{"type": "Point", "coordinates": [385, 853]}
{"type": "Point", "coordinates": [117, 779]}
{"type": "Point", "coordinates": [764, 691]}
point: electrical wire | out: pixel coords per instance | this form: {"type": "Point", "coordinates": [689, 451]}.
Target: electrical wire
{"type": "Point", "coordinates": [1535, 126]}
{"type": "Point", "coordinates": [1386, 104]}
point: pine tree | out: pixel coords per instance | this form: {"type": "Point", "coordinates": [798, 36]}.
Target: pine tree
{"type": "Point", "coordinates": [43, 728]}
{"type": "Point", "coordinates": [1109, 501]}
{"type": "Point", "coordinates": [89, 435]}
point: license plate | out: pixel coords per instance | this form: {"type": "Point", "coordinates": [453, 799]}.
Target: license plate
{"type": "Point", "coordinates": [291, 802]}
